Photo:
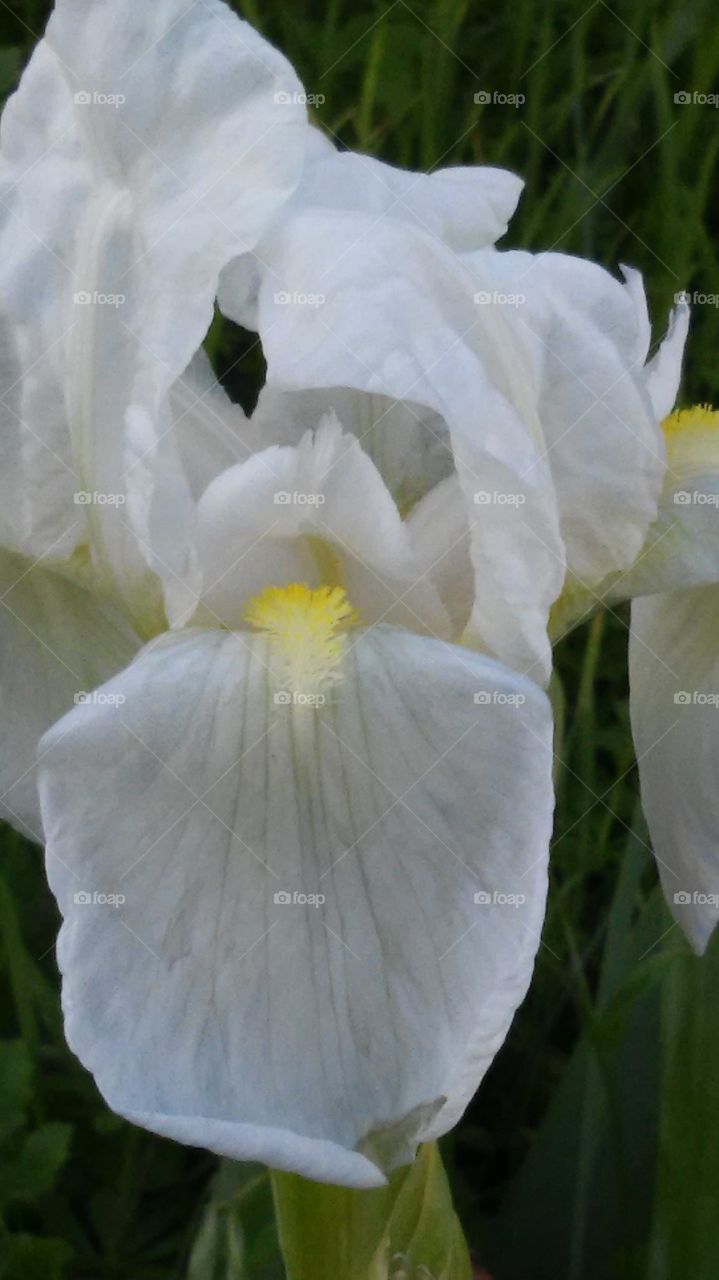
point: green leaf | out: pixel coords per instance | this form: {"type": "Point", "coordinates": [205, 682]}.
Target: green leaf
{"type": "Point", "coordinates": [580, 1207]}
{"type": "Point", "coordinates": [237, 1237]}
{"type": "Point", "coordinates": [218, 1252]}
{"type": "Point", "coordinates": [10, 60]}
{"type": "Point", "coordinates": [685, 1239]}
{"type": "Point", "coordinates": [405, 1231]}
{"type": "Point", "coordinates": [33, 1258]}
{"type": "Point", "coordinates": [34, 1168]}
{"type": "Point", "coordinates": [15, 1086]}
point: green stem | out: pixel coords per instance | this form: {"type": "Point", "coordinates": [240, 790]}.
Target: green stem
{"type": "Point", "coordinates": [407, 1228]}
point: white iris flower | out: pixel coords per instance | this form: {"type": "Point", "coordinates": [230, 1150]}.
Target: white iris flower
{"type": "Point", "coordinates": [300, 845]}
{"type": "Point", "coordinates": [521, 383]}
{"type": "Point", "coordinates": [674, 668]}
{"type": "Point", "coordinates": [145, 148]}
{"type": "Point", "coordinates": [299, 827]}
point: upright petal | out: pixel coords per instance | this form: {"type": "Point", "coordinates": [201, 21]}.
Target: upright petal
{"type": "Point", "coordinates": [663, 372]}
{"type": "Point", "coordinates": [465, 207]}
{"type": "Point", "coordinates": [396, 317]}
{"type": "Point", "coordinates": [439, 531]}
{"type": "Point", "coordinates": [682, 546]}
{"type": "Point", "coordinates": [146, 146]}
{"type": "Point", "coordinates": [603, 443]}
{"type": "Point", "coordinates": [212, 433]}
{"type": "Point", "coordinates": [313, 513]}
{"type": "Point", "coordinates": [408, 443]}
{"type": "Point", "coordinates": [323, 917]}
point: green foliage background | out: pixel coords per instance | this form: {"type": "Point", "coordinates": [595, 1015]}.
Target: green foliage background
{"type": "Point", "coordinates": [592, 1149]}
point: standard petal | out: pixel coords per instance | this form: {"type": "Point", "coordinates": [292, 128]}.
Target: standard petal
{"type": "Point", "coordinates": [439, 532]}
{"type": "Point", "coordinates": [397, 318]}
{"type": "Point", "coordinates": [682, 546]}
{"type": "Point", "coordinates": [212, 432]}
{"type": "Point", "coordinates": [145, 147]}
{"type": "Point", "coordinates": [465, 207]}
{"type": "Point", "coordinates": [57, 642]}
{"type": "Point", "coordinates": [674, 682]}
{"type": "Point", "coordinates": [663, 373]}
{"type": "Point", "coordinates": [408, 443]}
{"type": "Point", "coordinates": [603, 443]}
{"type": "Point", "coordinates": [311, 513]}
{"type": "Point", "coordinates": [327, 1034]}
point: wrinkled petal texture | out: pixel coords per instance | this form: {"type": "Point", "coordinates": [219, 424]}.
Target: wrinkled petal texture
{"type": "Point", "coordinates": [146, 146]}
{"type": "Point", "coordinates": [305, 514]}
{"type": "Point", "coordinates": [212, 1004]}
{"type": "Point", "coordinates": [394, 316]}
{"type": "Point", "coordinates": [603, 442]}
{"type": "Point", "coordinates": [466, 208]}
